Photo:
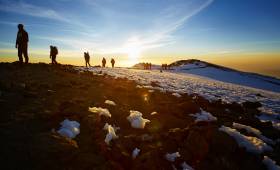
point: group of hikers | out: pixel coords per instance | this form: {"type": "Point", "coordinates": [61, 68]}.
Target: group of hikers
{"type": "Point", "coordinates": [22, 46]}
{"type": "Point", "coordinates": [165, 67]}
{"type": "Point", "coordinates": [147, 66]}
{"type": "Point", "coordinates": [87, 59]}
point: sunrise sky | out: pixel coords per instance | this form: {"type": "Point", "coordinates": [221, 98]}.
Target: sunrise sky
{"type": "Point", "coordinates": [243, 34]}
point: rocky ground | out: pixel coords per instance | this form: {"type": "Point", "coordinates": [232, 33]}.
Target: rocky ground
{"type": "Point", "coordinates": [35, 98]}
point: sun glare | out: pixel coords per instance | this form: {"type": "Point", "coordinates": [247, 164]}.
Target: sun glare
{"type": "Point", "coordinates": [133, 50]}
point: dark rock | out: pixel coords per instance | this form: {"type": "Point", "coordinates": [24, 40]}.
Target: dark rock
{"type": "Point", "coordinates": [251, 105]}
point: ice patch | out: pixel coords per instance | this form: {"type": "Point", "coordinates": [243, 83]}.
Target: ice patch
{"type": "Point", "coordinates": [109, 102]}
{"type": "Point", "coordinates": [185, 166]}
{"type": "Point", "coordinates": [100, 111]}
{"type": "Point", "coordinates": [172, 156]}
{"type": "Point", "coordinates": [136, 119]}
{"type": "Point", "coordinates": [69, 129]}
{"type": "Point", "coordinates": [111, 134]}
{"type": "Point", "coordinates": [255, 131]}
{"type": "Point", "coordinates": [135, 153]}
{"type": "Point", "coordinates": [252, 144]}
{"type": "Point", "coordinates": [270, 164]}
{"type": "Point", "coordinates": [203, 116]}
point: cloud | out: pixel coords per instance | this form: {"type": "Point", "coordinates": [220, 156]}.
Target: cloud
{"type": "Point", "coordinates": [21, 7]}
{"type": "Point", "coordinates": [161, 25]}
{"type": "Point", "coordinates": [154, 28]}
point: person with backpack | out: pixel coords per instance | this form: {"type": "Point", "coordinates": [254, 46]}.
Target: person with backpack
{"type": "Point", "coordinates": [103, 62]}
{"type": "Point", "coordinates": [53, 53]}
{"type": "Point", "coordinates": [22, 43]}
{"type": "Point", "coordinates": [87, 58]}
{"type": "Point", "coordinates": [113, 62]}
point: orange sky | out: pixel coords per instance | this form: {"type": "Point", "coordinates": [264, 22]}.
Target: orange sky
{"type": "Point", "coordinates": [268, 64]}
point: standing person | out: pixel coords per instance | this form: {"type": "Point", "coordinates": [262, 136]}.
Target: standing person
{"type": "Point", "coordinates": [87, 58]}
{"type": "Point", "coordinates": [113, 62]}
{"type": "Point", "coordinates": [103, 62]}
{"type": "Point", "coordinates": [53, 53]}
{"type": "Point", "coordinates": [22, 43]}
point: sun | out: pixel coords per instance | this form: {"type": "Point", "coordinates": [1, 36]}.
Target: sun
{"type": "Point", "coordinates": [133, 53]}
{"type": "Point", "coordinates": [133, 48]}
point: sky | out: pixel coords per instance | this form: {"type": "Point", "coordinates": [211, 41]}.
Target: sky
{"type": "Point", "coordinates": [243, 34]}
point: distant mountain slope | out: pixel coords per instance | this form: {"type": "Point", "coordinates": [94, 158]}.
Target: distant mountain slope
{"type": "Point", "coordinates": [225, 74]}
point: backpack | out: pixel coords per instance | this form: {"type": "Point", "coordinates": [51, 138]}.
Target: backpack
{"type": "Point", "coordinates": [55, 51]}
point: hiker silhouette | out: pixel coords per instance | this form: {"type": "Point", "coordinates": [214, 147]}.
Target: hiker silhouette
{"type": "Point", "coordinates": [53, 53]}
{"type": "Point", "coordinates": [113, 62]}
{"type": "Point", "coordinates": [22, 43]}
{"type": "Point", "coordinates": [103, 62]}
{"type": "Point", "coordinates": [87, 58]}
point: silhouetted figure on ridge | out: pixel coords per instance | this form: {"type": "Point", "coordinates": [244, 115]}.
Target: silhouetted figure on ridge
{"type": "Point", "coordinates": [164, 66]}
{"type": "Point", "coordinates": [22, 43]}
{"type": "Point", "coordinates": [87, 58]}
{"type": "Point", "coordinates": [113, 62]}
{"type": "Point", "coordinates": [53, 53]}
{"type": "Point", "coordinates": [103, 62]}
{"type": "Point", "coordinates": [146, 66]}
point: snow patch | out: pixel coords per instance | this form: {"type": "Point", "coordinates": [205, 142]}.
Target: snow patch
{"type": "Point", "coordinates": [111, 133]}
{"type": "Point", "coordinates": [185, 166]}
{"type": "Point", "coordinates": [100, 111]}
{"type": "Point", "coordinates": [254, 131]}
{"type": "Point", "coordinates": [178, 82]}
{"type": "Point", "coordinates": [268, 115]}
{"type": "Point", "coordinates": [154, 113]}
{"type": "Point", "coordinates": [136, 119]}
{"type": "Point", "coordinates": [252, 144]}
{"type": "Point", "coordinates": [204, 116]}
{"type": "Point", "coordinates": [109, 102]}
{"type": "Point", "coordinates": [270, 164]}
{"type": "Point", "coordinates": [172, 156]}
{"type": "Point", "coordinates": [135, 153]}
{"type": "Point", "coordinates": [69, 129]}
{"type": "Point", "coordinates": [176, 94]}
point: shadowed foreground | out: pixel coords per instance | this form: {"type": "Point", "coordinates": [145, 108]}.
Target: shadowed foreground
{"type": "Point", "coordinates": [35, 98]}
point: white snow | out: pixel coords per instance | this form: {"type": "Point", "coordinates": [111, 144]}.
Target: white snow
{"type": "Point", "coordinates": [172, 156]}
{"type": "Point", "coordinates": [109, 102]}
{"type": "Point", "coordinates": [111, 134]}
{"type": "Point", "coordinates": [270, 164]}
{"type": "Point", "coordinates": [136, 119]}
{"type": "Point", "coordinates": [135, 153]}
{"type": "Point", "coordinates": [154, 113]}
{"type": "Point", "coordinates": [270, 115]}
{"type": "Point", "coordinates": [138, 86]}
{"type": "Point", "coordinates": [176, 94]}
{"type": "Point", "coordinates": [252, 144]}
{"type": "Point", "coordinates": [100, 111]}
{"type": "Point", "coordinates": [69, 129]}
{"type": "Point", "coordinates": [204, 116]}
{"type": "Point", "coordinates": [185, 166]}
{"type": "Point", "coordinates": [255, 131]}
{"type": "Point", "coordinates": [177, 82]}
{"type": "Point", "coordinates": [230, 76]}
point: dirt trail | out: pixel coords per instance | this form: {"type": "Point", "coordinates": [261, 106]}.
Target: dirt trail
{"type": "Point", "coordinates": [35, 98]}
